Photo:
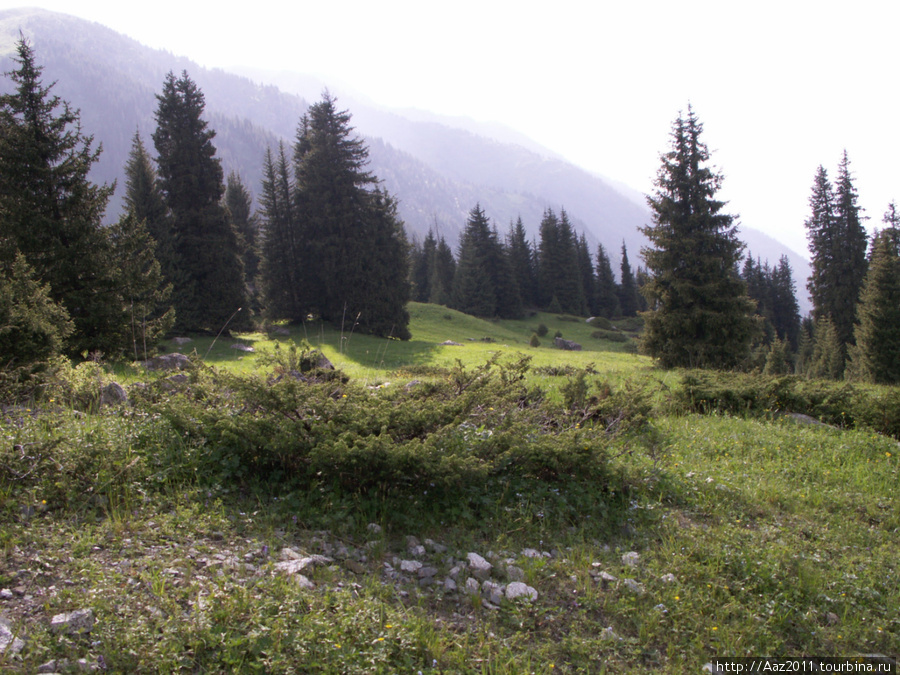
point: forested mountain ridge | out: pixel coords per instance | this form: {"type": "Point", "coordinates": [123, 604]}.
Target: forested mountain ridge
{"type": "Point", "coordinates": [437, 171]}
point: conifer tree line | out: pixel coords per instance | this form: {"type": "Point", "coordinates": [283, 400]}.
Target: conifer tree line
{"type": "Point", "coordinates": [190, 254]}
{"type": "Point", "coordinates": [494, 275]}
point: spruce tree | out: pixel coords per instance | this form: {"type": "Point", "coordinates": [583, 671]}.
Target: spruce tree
{"type": "Point", "coordinates": [239, 208]}
{"type": "Point", "coordinates": [700, 315]}
{"type": "Point", "coordinates": [351, 240]}
{"type": "Point", "coordinates": [33, 328]}
{"type": "Point", "coordinates": [484, 283]}
{"type": "Point", "coordinates": [210, 294]}
{"type": "Point", "coordinates": [144, 199]}
{"type": "Point", "coordinates": [627, 291]}
{"type": "Point", "coordinates": [586, 272]}
{"type": "Point", "coordinates": [281, 264]}
{"type": "Point", "coordinates": [837, 242]}
{"type": "Point", "coordinates": [522, 260]}
{"type": "Point", "coordinates": [606, 294]}
{"type": "Point", "coordinates": [147, 313]}
{"type": "Point", "coordinates": [558, 265]}
{"type": "Point", "coordinates": [443, 274]}
{"type": "Point", "coordinates": [50, 211]}
{"type": "Point", "coordinates": [785, 309]}
{"type": "Point", "coordinates": [878, 330]}
{"type": "Point", "coordinates": [422, 267]}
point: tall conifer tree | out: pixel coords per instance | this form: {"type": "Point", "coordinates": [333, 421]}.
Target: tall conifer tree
{"type": "Point", "coordinates": [878, 330]}
{"type": "Point", "coordinates": [211, 292]}
{"type": "Point", "coordinates": [351, 239]}
{"type": "Point", "coordinates": [700, 315]}
{"type": "Point", "coordinates": [281, 266]}
{"type": "Point", "coordinates": [50, 212]}
{"type": "Point", "coordinates": [628, 291]}
{"type": "Point", "coordinates": [837, 242]}
{"type": "Point", "coordinates": [606, 293]}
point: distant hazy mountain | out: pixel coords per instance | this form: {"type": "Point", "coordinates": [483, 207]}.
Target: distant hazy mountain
{"type": "Point", "coordinates": [438, 167]}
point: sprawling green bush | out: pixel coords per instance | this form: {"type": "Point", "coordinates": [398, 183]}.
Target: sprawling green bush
{"type": "Point", "coordinates": [836, 403]}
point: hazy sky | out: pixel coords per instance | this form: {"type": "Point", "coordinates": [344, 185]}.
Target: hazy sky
{"type": "Point", "coordinates": [781, 87]}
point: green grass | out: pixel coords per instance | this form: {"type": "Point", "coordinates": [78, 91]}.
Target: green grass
{"type": "Point", "coordinates": [167, 518]}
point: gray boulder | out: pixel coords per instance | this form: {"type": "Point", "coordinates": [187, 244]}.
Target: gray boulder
{"type": "Point", "coordinates": [174, 361]}
{"type": "Point", "coordinates": [567, 345]}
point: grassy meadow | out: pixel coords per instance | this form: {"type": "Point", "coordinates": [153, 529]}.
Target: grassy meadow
{"type": "Point", "coordinates": [757, 533]}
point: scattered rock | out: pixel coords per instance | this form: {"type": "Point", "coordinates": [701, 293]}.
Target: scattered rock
{"type": "Point", "coordinates": [73, 623]}
{"type": "Point", "coordinates": [242, 347]}
{"type": "Point", "coordinates": [605, 579]}
{"type": "Point", "coordinates": [480, 568]}
{"type": "Point", "coordinates": [174, 361]}
{"type": "Point", "coordinates": [449, 585]}
{"type": "Point", "coordinates": [181, 340]}
{"type": "Point", "coordinates": [634, 586]}
{"type": "Point", "coordinates": [832, 619]}
{"type": "Point", "coordinates": [417, 551]}
{"type": "Point", "coordinates": [451, 343]}
{"type": "Point", "coordinates": [427, 572]}
{"type": "Point", "coordinates": [434, 547]}
{"type": "Point", "coordinates": [531, 553]}
{"type": "Point", "coordinates": [10, 643]}
{"type": "Point", "coordinates": [492, 592]}
{"type": "Point", "coordinates": [374, 528]}
{"type": "Point", "coordinates": [472, 586]}
{"type": "Point", "coordinates": [113, 394]}
{"type": "Point", "coordinates": [517, 589]}
{"type": "Point", "coordinates": [632, 559]}
{"type": "Point", "coordinates": [303, 582]}
{"type": "Point", "coordinates": [668, 578]}
{"type": "Point", "coordinates": [298, 565]}
{"type": "Point", "coordinates": [6, 594]}
{"type": "Point", "coordinates": [411, 566]}
{"type": "Point", "coordinates": [567, 345]}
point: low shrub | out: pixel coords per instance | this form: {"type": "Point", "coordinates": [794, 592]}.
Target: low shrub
{"type": "Point", "coordinates": [611, 335]}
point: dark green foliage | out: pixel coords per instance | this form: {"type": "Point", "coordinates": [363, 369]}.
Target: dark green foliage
{"type": "Point", "coordinates": [699, 314]}
{"type": "Point", "coordinates": [838, 404]}
{"type": "Point", "coordinates": [778, 359]}
{"type": "Point", "coordinates": [542, 329]}
{"type": "Point", "coordinates": [628, 291]}
{"type": "Point", "coordinates": [827, 358]}
{"type": "Point", "coordinates": [463, 434]}
{"type": "Point", "coordinates": [878, 330]}
{"type": "Point", "coordinates": [586, 274]}
{"type": "Point", "coordinates": [351, 247]}
{"type": "Point", "coordinates": [837, 242]}
{"type": "Point", "coordinates": [50, 211]}
{"type": "Point", "coordinates": [145, 200]}
{"type": "Point", "coordinates": [244, 222]}
{"type": "Point", "coordinates": [606, 296]}
{"type": "Point", "coordinates": [558, 275]}
{"type": "Point", "coordinates": [421, 267]}
{"type": "Point", "coordinates": [775, 297]}
{"type": "Point", "coordinates": [523, 264]}
{"type": "Point", "coordinates": [147, 314]}
{"type": "Point", "coordinates": [535, 341]}
{"type": "Point", "coordinates": [484, 284]}
{"type": "Point", "coordinates": [209, 291]}
{"type": "Point", "coordinates": [611, 335]}
{"type": "Point", "coordinates": [33, 328]}
{"type": "Point", "coordinates": [442, 275]}
{"type": "Point", "coordinates": [281, 266]}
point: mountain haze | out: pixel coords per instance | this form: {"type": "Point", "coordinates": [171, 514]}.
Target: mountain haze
{"type": "Point", "coordinates": [438, 167]}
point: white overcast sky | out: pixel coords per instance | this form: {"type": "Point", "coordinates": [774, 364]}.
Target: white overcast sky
{"type": "Point", "coordinates": [781, 87]}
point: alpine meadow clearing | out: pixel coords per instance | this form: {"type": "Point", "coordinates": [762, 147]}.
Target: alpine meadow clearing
{"type": "Point", "coordinates": [481, 507]}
